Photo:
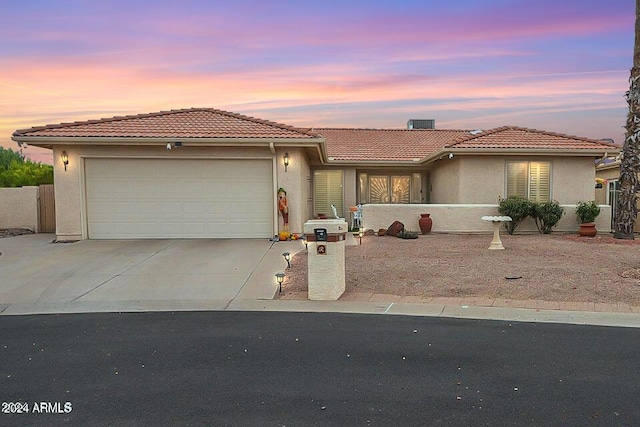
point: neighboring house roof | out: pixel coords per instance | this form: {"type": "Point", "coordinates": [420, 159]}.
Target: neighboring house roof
{"type": "Point", "coordinates": [386, 144]}
{"type": "Point", "coordinates": [186, 123]}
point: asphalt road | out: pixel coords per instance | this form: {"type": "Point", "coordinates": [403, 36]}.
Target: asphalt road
{"type": "Point", "coordinates": [260, 368]}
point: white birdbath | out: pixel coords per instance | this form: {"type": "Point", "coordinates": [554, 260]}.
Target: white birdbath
{"type": "Point", "coordinates": [496, 243]}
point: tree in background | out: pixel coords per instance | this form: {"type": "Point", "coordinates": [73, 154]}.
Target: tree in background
{"type": "Point", "coordinates": [16, 171]}
{"type": "Point", "coordinates": [8, 156]}
{"type": "Point", "coordinates": [627, 208]}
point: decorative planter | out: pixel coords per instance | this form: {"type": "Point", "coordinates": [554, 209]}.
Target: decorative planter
{"type": "Point", "coordinates": [588, 229]}
{"type": "Point", "coordinates": [425, 222]}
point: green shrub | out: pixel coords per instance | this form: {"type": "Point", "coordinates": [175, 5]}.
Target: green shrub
{"type": "Point", "coordinates": [587, 211]}
{"type": "Point", "coordinates": [547, 215]}
{"type": "Point", "coordinates": [406, 234]}
{"type": "Point", "coordinates": [516, 207]}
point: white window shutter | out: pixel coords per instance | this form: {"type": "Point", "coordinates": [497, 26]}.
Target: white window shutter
{"type": "Point", "coordinates": [539, 182]}
{"type": "Point", "coordinates": [517, 179]}
{"type": "Point", "coordinates": [327, 191]}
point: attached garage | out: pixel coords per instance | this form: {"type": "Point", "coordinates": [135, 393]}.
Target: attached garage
{"type": "Point", "coordinates": [191, 173]}
{"type": "Point", "coordinates": [178, 198]}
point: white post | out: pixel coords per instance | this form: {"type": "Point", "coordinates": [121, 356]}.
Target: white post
{"type": "Point", "coordinates": [326, 258]}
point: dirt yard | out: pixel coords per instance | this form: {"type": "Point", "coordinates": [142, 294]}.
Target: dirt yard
{"type": "Point", "coordinates": [539, 267]}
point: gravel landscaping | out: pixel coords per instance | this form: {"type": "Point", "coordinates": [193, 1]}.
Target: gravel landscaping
{"type": "Point", "coordinates": [9, 232]}
{"type": "Point", "coordinates": [552, 267]}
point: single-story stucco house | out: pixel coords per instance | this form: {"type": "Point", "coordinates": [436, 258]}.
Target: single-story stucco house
{"type": "Point", "coordinates": [203, 172]}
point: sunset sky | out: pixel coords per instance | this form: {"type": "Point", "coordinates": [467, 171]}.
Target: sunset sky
{"type": "Point", "coordinates": [560, 65]}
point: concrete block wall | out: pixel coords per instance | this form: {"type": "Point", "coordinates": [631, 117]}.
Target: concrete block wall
{"type": "Point", "coordinates": [19, 208]}
{"type": "Point", "coordinates": [461, 218]}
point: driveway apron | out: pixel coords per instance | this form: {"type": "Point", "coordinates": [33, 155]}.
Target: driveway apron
{"type": "Point", "coordinates": [35, 271]}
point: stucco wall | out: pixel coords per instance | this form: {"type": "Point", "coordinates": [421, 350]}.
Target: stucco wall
{"type": "Point", "coordinates": [70, 221]}
{"type": "Point", "coordinates": [295, 181]}
{"type": "Point", "coordinates": [444, 181]}
{"type": "Point", "coordinates": [481, 179]}
{"type": "Point", "coordinates": [574, 179]}
{"type": "Point", "coordinates": [19, 208]}
{"type": "Point", "coordinates": [452, 218]}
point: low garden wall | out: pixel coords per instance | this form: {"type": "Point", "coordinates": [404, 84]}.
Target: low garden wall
{"type": "Point", "coordinates": [458, 218]}
{"type": "Point", "coordinates": [19, 208]}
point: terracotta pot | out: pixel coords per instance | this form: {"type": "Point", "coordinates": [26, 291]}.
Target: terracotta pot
{"type": "Point", "coordinates": [588, 229]}
{"type": "Point", "coordinates": [425, 222]}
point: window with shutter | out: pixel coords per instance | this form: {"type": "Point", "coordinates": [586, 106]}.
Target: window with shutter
{"type": "Point", "coordinates": [517, 179]}
{"type": "Point", "coordinates": [529, 179]}
{"type": "Point", "coordinates": [327, 191]}
{"type": "Point", "coordinates": [539, 182]}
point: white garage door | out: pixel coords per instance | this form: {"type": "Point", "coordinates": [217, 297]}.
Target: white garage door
{"type": "Point", "coordinates": [153, 198]}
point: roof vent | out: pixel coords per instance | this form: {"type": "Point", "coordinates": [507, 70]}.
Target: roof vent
{"type": "Point", "coordinates": [476, 132]}
{"type": "Point", "coordinates": [421, 124]}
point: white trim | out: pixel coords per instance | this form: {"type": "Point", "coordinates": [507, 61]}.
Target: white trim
{"type": "Point", "coordinates": [274, 194]}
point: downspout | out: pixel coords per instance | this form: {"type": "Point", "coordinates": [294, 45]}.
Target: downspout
{"type": "Point", "coordinates": [275, 188]}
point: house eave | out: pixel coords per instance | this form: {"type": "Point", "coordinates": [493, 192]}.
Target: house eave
{"type": "Point", "coordinates": [516, 151]}
{"type": "Point", "coordinates": [599, 152]}
{"type": "Point", "coordinates": [50, 142]}
{"type": "Point", "coordinates": [374, 163]}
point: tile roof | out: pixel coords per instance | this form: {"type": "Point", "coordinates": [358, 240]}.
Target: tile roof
{"type": "Point", "coordinates": [513, 137]}
{"type": "Point", "coordinates": [386, 144]}
{"type": "Point", "coordinates": [407, 145]}
{"type": "Point", "coordinates": [185, 123]}
{"type": "Point", "coordinates": [342, 144]}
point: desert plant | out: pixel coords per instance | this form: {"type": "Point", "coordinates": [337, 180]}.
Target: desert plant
{"type": "Point", "coordinates": [547, 215]}
{"type": "Point", "coordinates": [406, 234]}
{"type": "Point", "coordinates": [587, 211]}
{"type": "Point", "coordinates": [516, 207]}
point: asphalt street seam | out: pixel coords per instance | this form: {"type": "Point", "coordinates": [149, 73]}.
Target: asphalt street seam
{"type": "Point", "coordinates": [273, 242]}
{"type": "Point", "coordinates": [122, 272]}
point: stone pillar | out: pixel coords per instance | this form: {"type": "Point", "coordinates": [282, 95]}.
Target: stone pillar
{"type": "Point", "coordinates": [326, 259]}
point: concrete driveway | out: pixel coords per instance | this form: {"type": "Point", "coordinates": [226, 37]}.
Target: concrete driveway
{"type": "Point", "coordinates": [135, 274]}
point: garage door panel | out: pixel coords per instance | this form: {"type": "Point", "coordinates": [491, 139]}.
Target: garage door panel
{"type": "Point", "coordinates": [193, 209]}
{"type": "Point", "coordinates": [123, 228]}
{"type": "Point", "coordinates": [146, 229]}
{"type": "Point", "coordinates": [153, 198]}
{"type": "Point", "coordinates": [170, 209]}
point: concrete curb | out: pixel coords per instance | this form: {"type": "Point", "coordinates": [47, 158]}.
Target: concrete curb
{"type": "Point", "coordinates": [630, 320]}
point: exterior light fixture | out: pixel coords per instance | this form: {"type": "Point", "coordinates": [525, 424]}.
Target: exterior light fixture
{"type": "Point", "coordinates": [280, 278]}
{"type": "Point", "coordinates": [360, 234]}
{"type": "Point", "coordinates": [287, 257]}
{"type": "Point", "coordinates": [65, 159]}
{"type": "Point", "coordinates": [286, 161]}
{"type": "Point", "coordinates": [168, 146]}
